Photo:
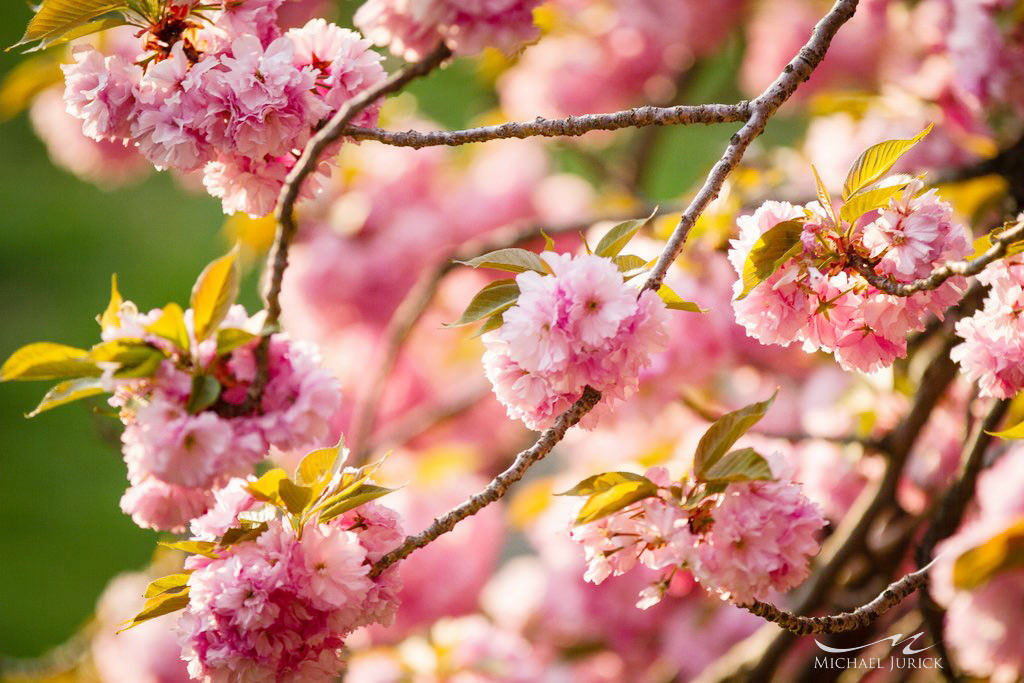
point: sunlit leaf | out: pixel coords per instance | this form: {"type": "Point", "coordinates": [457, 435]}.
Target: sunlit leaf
{"type": "Point", "coordinates": [511, 259]}
{"type": "Point", "coordinates": [68, 391]}
{"type": "Point", "coordinates": [869, 200]}
{"type": "Point", "coordinates": [171, 326]}
{"type": "Point", "coordinates": [54, 18]}
{"type": "Point", "coordinates": [205, 392]}
{"type": "Point", "coordinates": [135, 357]}
{"type": "Point", "coordinates": [601, 482]}
{"type": "Point", "coordinates": [610, 501]}
{"type": "Point", "coordinates": [363, 493]}
{"type": "Point", "coordinates": [619, 236]}
{"type": "Point", "coordinates": [295, 497]}
{"type": "Point", "coordinates": [876, 161]}
{"type": "Point", "coordinates": [242, 534]}
{"type": "Point", "coordinates": [265, 488]}
{"type": "Point", "coordinates": [677, 303]}
{"type": "Point", "coordinates": [158, 606]}
{"type": "Point", "coordinates": [317, 465]}
{"type": "Point", "coordinates": [24, 81]}
{"type": "Point", "coordinates": [631, 265]}
{"type": "Point", "coordinates": [174, 583]}
{"type": "Point", "coordinates": [204, 548]}
{"type": "Point", "coordinates": [214, 293]}
{"type": "Point", "coordinates": [231, 338]}
{"type": "Point", "coordinates": [494, 298]}
{"type": "Point", "coordinates": [45, 360]}
{"type": "Point", "coordinates": [492, 323]}
{"type": "Point", "coordinates": [110, 317]}
{"type": "Point", "coordinates": [777, 245]}
{"type": "Point", "coordinates": [1002, 552]}
{"type": "Point", "coordinates": [1014, 432]}
{"type": "Point", "coordinates": [744, 464]}
{"type": "Point", "coordinates": [823, 197]}
{"type": "Point", "coordinates": [700, 493]}
{"type": "Point", "coordinates": [723, 433]}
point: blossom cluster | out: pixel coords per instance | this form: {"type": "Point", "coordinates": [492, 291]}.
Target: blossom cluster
{"type": "Point", "coordinates": [411, 29]}
{"type": "Point", "coordinates": [982, 625]}
{"type": "Point", "coordinates": [224, 92]}
{"type": "Point", "coordinates": [579, 325]}
{"type": "Point", "coordinates": [818, 298]}
{"type": "Point", "coordinates": [745, 543]}
{"type": "Point", "coordinates": [278, 607]}
{"type": "Point", "coordinates": [992, 351]}
{"type": "Point", "coordinates": [177, 455]}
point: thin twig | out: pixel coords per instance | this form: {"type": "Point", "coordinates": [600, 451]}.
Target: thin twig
{"type": "Point", "coordinates": [570, 126]}
{"type": "Point", "coordinates": [938, 276]}
{"type": "Point", "coordinates": [498, 486]}
{"type": "Point", "coordinates": [761, 109]}
{"type": "Point", "coordinates": [861, 617]}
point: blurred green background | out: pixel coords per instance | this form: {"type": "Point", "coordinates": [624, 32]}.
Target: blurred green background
{"type": "Point", "coordinates": [62, 535]}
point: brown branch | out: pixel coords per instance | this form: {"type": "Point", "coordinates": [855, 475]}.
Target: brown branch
{"type": "Point", "coordinates": [861, 617]}
{"type": "Point", "coordinates": [570, 126]}
{"type": "Point", "coordinates": [761, 109]}
{"type": "Point", "coordinates": [938, 276]}
{"type": "Point", "coordinates": [498, 486]}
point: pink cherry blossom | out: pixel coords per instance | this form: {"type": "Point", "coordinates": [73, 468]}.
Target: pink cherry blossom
{"type": "Point", "coordinates": [101, 92]}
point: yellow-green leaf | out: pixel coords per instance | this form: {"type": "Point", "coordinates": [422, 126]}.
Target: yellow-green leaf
{"type": "Point", "coordinates": [492, 323]}
{"type": "Point", "coordinates": [80, 31]}
{"type": "Point", "coordinates": [876, 161]}
{"type": "Point", "coordinates": [205, 392]}
{"type": "Point", "coordinates": [68, 391]}
{"type": "Point", "coordinates": [158, 606]}
{"type": "Point", "coordinates": [610, 501]}
{"type": "Point", "coordinates": [511, 259]}
{"type": "Point", "coordinates": [135, 357]}
{"type": "Point", "coordinates": [295, 497]}
{"type": "Point", "coordinates": [1014, 432]}
{"type": "Point", "coordinates": [1002, 552]}
{"type": "Point", "coordinates": [619, 236]}
{"type": "Point", "coordinates": [677, 303]}
{"type": "Point", "coordinates": [723, 433]}
{"type": "Point", "coordinates": [317, 465]}
{"type": "Point", "coordinates": [231, 338]}
{"type": "Point", "coordinates": [823, 197]}
{"type": "Point", "coordinates": [265, 488]}
{"type": "Point", "coordinates": [494, 298]}
{"type": "Point", "coordinates": [54, 18]}
{"type": "Point", "coordinates": [744, 464]}
{"type": "Point", "coordinates": [204, 548]}
{"type": "Point", "coordinates": [214, 293]}
{"type": "Point", "coordinates": [248, 532]}
{"type": "Point", "coordinates": [777, 245]}
{"type": "Point", "coordinates": [110, 317]}
{"type": "Point", "coordinates": [869, 200]}
{"type": "Point", "coordinates": [45, 360]}
{"type": "Point", "coordinates": [363, 493]}
{"type": "Point", "coordinates": [173, 583]}
{"type": "Point", "coordinates": [601, 482]}
{"type": "Point", "coordinates": [24, 81]}
{"type": "Point", "coordinates": [631, 265]}
{"type": "Point", "coordinates": [171, 326]}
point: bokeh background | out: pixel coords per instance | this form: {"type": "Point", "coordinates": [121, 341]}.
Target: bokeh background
{"type": "Point", "coordinates": [62, 535]}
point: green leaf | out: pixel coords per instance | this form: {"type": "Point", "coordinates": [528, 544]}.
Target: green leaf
{"type": "Point", "coordinates": [702, 492]}
{"type": "Point", "coordinates": [876, 161]}
{"type": "Point", "coordinates": [173, 583]}
{"type": "Point", "coordinates": [494, 298]}
{"type": "Point", "coordinates": [158, 606]}
{"type": "Point", "coordinates": [339, 505]}
{"type": "Point", "coordinates": [68, 391]}
{"type": "Point", "coordinates": [247, 532]}
{"type": "Point", "coordinates": [618, 237]}
{"type": "Point", "coordinates": [723, 433]}
{"type": "Point", "coordinates": [45, 360]}
{"type": "Point", "coordinates": [630, 266]}
{"type": "Point", "coordinates": [823, 196]}
{"type": "Point", "coordinates": [610, 501]}
{"type": "Point", "coordinates": [492, 323]}
{"type": "Point", "coordinates": [110, 317]}
{"type": "Point", "coordinates": [317, 465]}
{"type": "Point", "coordinates": [1002, 552]}
{"type": "Point", "coordinates": [740, 465]}
{"type": "Point", "coordinates": [549, 244]}
{"type": "Point", "coordinates": [204, 548]}
{"type": "Point", "coordinates": [677, 303]}
{"type": "Point", "coordinates": [231, 338]}
{"type": "Point", "coordinates": [135, 357]}
{"type": "Point", "coordinates": [869, 200]}
{"type": "Point", "coordinates": [54, 18]}
{"type": "Point", "coordinates": [777, 245]}
{"type": "Point", "coordinates": [512, 259]}
{"type": "Point", "coordinates": [171, 326]}
{"type": "Point", "coordinates": [601, 482]}
{"type": "Point", "coordinates": [214, 293]}
{"type": "Point", "coordinates": [205, 392]}
{"type": "Point", "coordinates": [295, 497]}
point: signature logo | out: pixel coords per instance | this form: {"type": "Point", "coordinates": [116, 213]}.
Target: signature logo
{"type": "Point", "coordinates": [895, 640]}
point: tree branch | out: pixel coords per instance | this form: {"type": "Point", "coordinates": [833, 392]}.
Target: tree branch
{"type": "Point", "coordinates": [861, 617]}
{"type": "Point", "coordinates": [761, 109]}
{"type": "Point", "coordinates": [938, 276]}
{"type": "Point", "coordinates": [498, 486]}
{"type": "Point", "coordinates": [570, 126]}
